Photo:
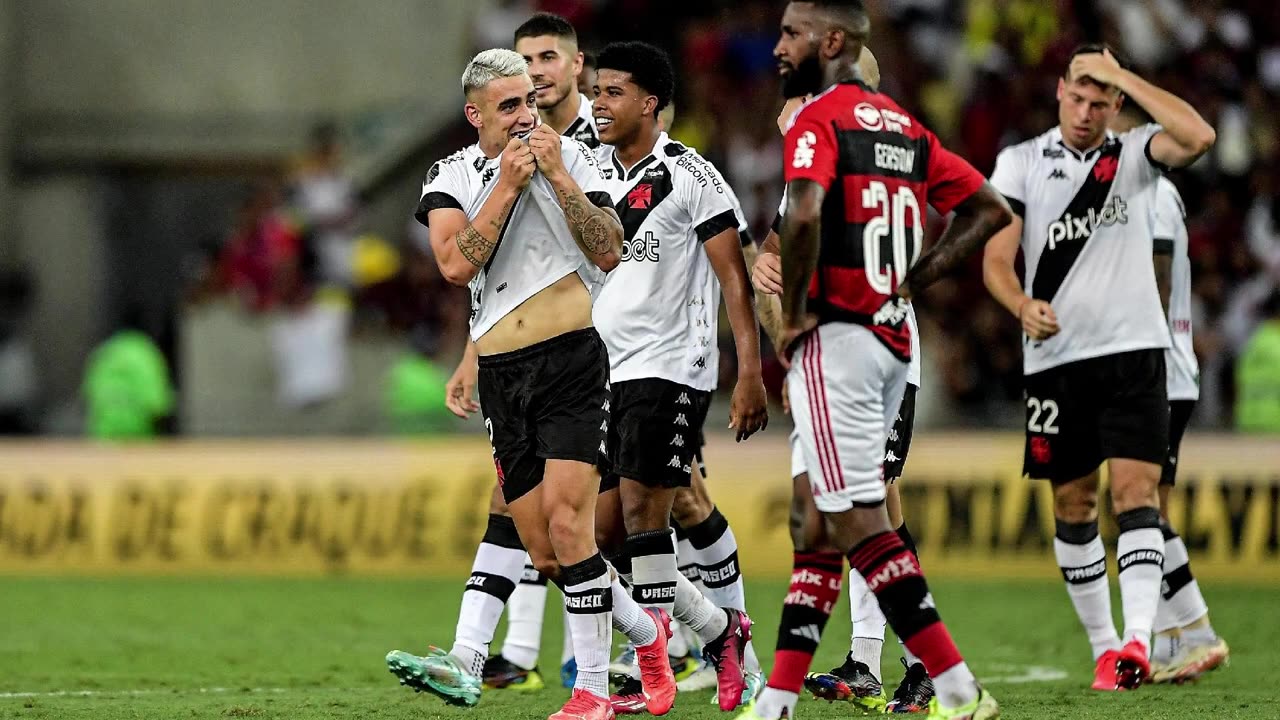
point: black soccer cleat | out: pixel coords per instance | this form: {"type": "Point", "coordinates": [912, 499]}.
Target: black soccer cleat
{"type": "Point", "coordinates": [501, 673]}
{"type": "Point", "coordinates": [914, 692]}
{"type": "Point", "coordinates": [851, 682]}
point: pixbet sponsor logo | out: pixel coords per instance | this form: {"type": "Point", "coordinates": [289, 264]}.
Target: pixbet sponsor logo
{"type": "Point", "coordinates": [1082, 227]}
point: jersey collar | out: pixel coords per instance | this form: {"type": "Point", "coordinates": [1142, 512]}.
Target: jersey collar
{"type": "Point", "coordinates": [1108, 139]}
{"type": "Point", "coordinates": [651, 158]}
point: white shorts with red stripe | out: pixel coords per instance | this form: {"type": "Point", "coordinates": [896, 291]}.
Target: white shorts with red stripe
{"type": "Point", "coordinates": [845, 388]}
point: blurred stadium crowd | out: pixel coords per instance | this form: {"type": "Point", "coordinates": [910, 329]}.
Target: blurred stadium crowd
{"type": "Point", "coordinates": [980, 73]}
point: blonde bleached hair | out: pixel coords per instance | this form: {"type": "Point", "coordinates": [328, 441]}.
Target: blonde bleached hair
{"type": "Point", "coordinates": [490, 65]}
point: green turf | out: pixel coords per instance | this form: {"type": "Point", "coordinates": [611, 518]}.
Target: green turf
{"type": "Point", "coordinates": [301, 649]}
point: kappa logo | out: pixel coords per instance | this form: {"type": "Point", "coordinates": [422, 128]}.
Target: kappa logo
{"type": "Point", "coordinates": [683, 399]}
{"type": "Point", "coordinates": [1057, 174]}
{"type": "Point", "coordinates": [681, 420]}
{"type": "Point", "coordinates": [677, 441]}
{"type": "Point", "coordinates": [675, 461]}
{"type": "Point", "coordinates": [604, 426]}
{"type": "Point", "coordinates": [701, 362]}
{"type": "Point", "coordinates": [890, 457]}
{"type": "Point", "coordinates": [640, 197]}
{"type": "Point", "coordinates": [603, 450]}
{"type": "Point", "coordinates": [803, 157]}
{"type": "Point", "coordinates": [488, 175]}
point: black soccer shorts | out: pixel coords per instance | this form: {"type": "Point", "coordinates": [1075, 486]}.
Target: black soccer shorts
{"type": "Point", "coordinates": [1179, 417]}
{"type": "Point", "coordinates": [1084, 412]}
{"type": "Point", "coordinates": [545, 402]}
{"type": "Point", "coordinates": [655, 432]}
{"type": "Point", "coordinates": [898, 443]}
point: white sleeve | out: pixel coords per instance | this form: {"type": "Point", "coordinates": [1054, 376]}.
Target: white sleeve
{"type": "Point", "coordinates": [706, 196]}
{"type": "Point", "coordinates": [1010, 177]}
{"type": "Point", "coordinates": [583, 167]}
{"type": "Point", "coordinates": [445, 187]}
{"type": "Point", "coordinates": [1169, 219]}
{"type": "Point", "coordinates": [1142, 136]}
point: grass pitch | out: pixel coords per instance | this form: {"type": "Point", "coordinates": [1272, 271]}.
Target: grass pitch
{"type": "Point", "coordinates": [103, 649]}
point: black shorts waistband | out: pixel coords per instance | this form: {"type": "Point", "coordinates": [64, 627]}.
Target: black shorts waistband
{"type": "Point", "coordinates": [524, 353]}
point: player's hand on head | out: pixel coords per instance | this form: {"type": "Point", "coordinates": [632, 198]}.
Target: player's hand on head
{"type": "Point", "coordinates": [766, 273]}
{"type": "Point", "coordinates": [1102, 67]}
{"type": "Point", "coordinates": [545, 144]}
{"type": "Point", "coordinates": [518, 164]}
{"type": "Point", "coordinates": [460, 391]}
{"type": "Point", "coordinates": [1039, 321]}
{"type": "Point", "coordinates": [749, 408]}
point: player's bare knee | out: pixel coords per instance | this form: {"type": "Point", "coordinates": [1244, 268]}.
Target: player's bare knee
{"type": "Point", "coordinates": [1132, 493]}
{"type": "Point", "coordinates": [546, 563]}
{"type": "Point", "coordinates": [690, 508]}
{"type": "Point", "coordinates": [1075, 502]}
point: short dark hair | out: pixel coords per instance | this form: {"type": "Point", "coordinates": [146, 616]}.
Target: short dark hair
{"type": "Point", "coordinates": [649, 66]}
{"type": "Point", "coordinates": [588, 59]}
{"type": "Point", "coordinates": [853, 11]}
{"type": "Point", "coordinates": [1095, 48]}
{"type": "Point", "coordinates": [542, 24]}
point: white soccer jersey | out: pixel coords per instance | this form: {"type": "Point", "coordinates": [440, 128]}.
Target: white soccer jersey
{"type": "Point", "coordinates": [535, 247]}
{"type": "Point", "coordinates": [1087, 243]}
{"type": "Point", "coordinates": [658, 309]}
{"type": "Point", "coordinates": [913, 367]}
{"type": "Point", "coordinates": [583, 128]}
{"type": "Point", "coordinates": [1171, 232]}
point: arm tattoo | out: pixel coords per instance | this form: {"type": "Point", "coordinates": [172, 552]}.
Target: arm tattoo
{"type": "Point", "coordinates": [589, 224]}
{"type": "Point", "coordinates": [477, 248]}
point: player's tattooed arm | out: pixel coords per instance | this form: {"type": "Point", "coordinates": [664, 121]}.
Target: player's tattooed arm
{"type": "Point", "coordinates": [596, 230]}
{"type": "Point", "coordinates": [477, 247]}
{"type": "Point", "coordinates": [462, 246]}
{"type": "Point", "coordinates": [978, 218]}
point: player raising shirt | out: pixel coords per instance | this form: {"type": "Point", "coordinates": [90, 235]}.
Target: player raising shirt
{"type": "Point", "coordinates": [543, 372]}
{"type": "Point", "coordinates": [859, 171]}
{"type": "Point", "coordinates": [1095, 335]}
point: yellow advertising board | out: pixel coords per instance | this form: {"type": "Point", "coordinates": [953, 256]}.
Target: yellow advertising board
{"type": "Point", "coordinates": [394, 507]}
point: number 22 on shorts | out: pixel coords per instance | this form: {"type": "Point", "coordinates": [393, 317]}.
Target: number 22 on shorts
{"type": "Point", "coordinates": [1044, 416]}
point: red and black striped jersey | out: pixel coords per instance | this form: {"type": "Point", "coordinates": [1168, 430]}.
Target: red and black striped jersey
{"type": "Point", "coordinates": [879, 167]}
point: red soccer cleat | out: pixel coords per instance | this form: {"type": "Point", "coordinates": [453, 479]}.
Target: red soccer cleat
{"type": "Point", "coordinates": [1104, 673]}
{"type": "Point", "coordinates": [1132, 665]}
{"type": "Point", "coordinates": [629, 699]}
{"type": "Point", "coordinates": [726, 654]}
{"type": "Point", "coordinates": [656, 677]}
{"type": "Point", "coordinates": [583, 705]}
